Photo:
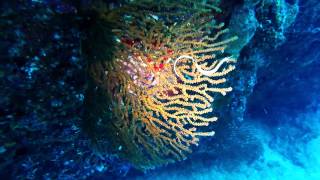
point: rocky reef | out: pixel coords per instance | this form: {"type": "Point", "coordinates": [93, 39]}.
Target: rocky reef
{"type": "Point", "coordinates": [50, 126]}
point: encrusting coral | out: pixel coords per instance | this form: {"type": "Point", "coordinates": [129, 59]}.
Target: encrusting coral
{"type": "Point", "coordinates": [166, 69]}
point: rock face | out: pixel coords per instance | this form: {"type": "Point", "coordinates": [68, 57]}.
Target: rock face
{"type": "Point", "coordinates": [290, 78]}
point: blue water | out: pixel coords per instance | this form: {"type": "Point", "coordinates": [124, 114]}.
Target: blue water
{"type": "Point", "coordinates": [274, 131]}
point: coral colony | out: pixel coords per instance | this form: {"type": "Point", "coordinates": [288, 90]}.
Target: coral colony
{"type": "Point", "coordinates": [165, 72]}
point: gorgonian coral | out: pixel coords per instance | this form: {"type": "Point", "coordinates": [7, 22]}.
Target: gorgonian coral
{"type": "Point", "coordinates": [163, 77]}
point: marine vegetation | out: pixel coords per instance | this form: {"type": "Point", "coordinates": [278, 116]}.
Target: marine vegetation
{"type": "Point", "coordinates": [156, 87]}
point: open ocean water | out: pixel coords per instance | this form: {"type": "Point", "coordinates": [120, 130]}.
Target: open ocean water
{"type": "Point", "coordinates": [144, 89]}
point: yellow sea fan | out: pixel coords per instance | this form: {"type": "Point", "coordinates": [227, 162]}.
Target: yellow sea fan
{"type": "Point", "coordinates": [162, 82]}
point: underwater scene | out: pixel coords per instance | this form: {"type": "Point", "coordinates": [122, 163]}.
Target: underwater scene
{"type": "Point", "coordinates": [160, 89]}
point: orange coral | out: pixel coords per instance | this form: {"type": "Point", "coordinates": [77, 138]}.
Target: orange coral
{"type": "Point", "coordinates": [162, 82]}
